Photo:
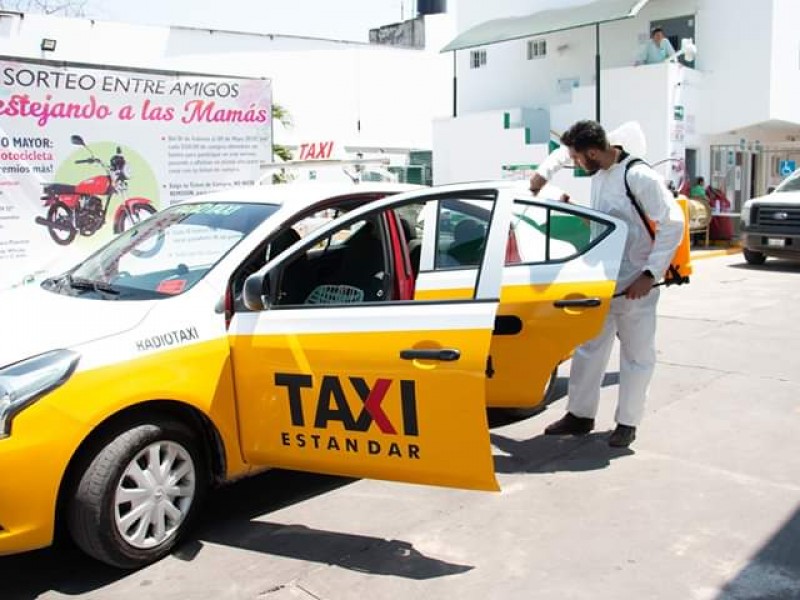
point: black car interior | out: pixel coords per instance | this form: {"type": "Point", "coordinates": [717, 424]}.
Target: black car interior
{"type": "Point", "coordinates": [354, 269]}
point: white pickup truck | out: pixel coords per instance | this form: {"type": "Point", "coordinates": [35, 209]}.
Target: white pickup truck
{"type": "Point", "coordinates": [771, 223]}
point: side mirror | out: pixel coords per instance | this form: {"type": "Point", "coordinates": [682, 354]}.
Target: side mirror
{"type": "Point", "coordinates": [77, 140]}
{"type": "Point", "coordinates": [253, 292]}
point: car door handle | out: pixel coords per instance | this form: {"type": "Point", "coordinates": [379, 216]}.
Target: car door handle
{"type": "Point", "coordinates": [445, 354]}
{"type": "Point", "coordinates": [578, 302]}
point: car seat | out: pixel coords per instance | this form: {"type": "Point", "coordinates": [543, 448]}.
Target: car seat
{"type": "Point", "coordinates": [414, 244]}
{"type": "Point", "coordinates": [293, 285]}
{"type": "Point", "coordinates": [362, 267]}
{"type": "Point", "coordinates": [467, 246]}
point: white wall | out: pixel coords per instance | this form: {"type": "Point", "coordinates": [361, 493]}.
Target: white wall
{"type": "Point", "coordinates": [328, 86]}
{"type": "Point", "coordinates": [735, 47]}
{"type": "Point", "coordinates": [112, 43]}
{"type": "Point", "coordinates": [516, 81]}
{"type": "Point", "coordinates": [476, 146]}
{"type": "Point", "coordinates": [785, 88]}
{"type": "Point", "coordinates": [747, 49]}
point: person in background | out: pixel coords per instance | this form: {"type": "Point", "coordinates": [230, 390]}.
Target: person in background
{"type": "Point", "coordinates": [657, 50]}
{"type": "Point", "coordinates": [698, 189]}
{"type": "Point", "coordinates": [632, 316]}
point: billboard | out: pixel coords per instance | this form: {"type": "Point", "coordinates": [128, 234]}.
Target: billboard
{"type": "Point", "coordinates": [87, 152]}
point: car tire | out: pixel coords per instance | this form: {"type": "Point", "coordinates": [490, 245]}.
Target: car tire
{"type": "Point", "coordinates": [138, 494]}
{"type": "Point", "coordinates": [753, 257]}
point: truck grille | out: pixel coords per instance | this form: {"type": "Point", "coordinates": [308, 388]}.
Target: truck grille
{"type": "Point", "coordinates": [777, 217]}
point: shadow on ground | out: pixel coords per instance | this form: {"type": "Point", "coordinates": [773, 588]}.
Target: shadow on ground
{"type": "Point", "coordinates": [553, 454]}
{"type": "Point", "coordinates": [774, 572]}
{"type": "Point", "coordinates": [499, 417]}
{"type": "Point", "coordinates": [365, 554]}
{"type": "Point", "coordinates": [228, 519]}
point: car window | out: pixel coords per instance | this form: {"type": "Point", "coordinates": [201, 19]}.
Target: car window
{"type": "Point", "coordinates": [354, 264]}
{"type": "Point", "coordinates": [545, 234]}
{"type": "Point", "coordinates": [462, 228]}
{"type": "Point", "coordinates": [351, 265]}
{"type": "Point", "coordinates": [167, 254]}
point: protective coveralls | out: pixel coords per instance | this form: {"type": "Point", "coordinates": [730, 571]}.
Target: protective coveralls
{"type": "Point", "coordinates": [633, 321]}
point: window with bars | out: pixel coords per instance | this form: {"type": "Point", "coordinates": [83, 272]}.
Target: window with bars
{"type": "Point", "coordinates": [477, 59]}
{"type": "Point", "coordinates": [537, 49]}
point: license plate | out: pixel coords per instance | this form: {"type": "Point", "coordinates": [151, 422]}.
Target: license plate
{"type": "Point", "coordinates": [776, 242]}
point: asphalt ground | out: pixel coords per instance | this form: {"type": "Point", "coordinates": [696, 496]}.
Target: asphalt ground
{"type": "Point", "coordinates": [704, 505]}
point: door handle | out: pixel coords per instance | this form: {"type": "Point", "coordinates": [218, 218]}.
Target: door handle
{"type": "Point", "coordinates": [578, 302]}
{"type": "Point", "coordinates": [445, 354]}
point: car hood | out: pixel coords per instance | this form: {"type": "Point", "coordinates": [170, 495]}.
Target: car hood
{"type": "Point", "coordinates": [792, 198]}
{"type": "Point", "coordinates": [34, 320]}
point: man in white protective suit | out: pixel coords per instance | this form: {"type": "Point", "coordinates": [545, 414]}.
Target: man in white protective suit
{"type": "Point", "coordinates": [632, 315]}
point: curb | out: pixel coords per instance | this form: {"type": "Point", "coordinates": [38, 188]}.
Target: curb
{"type": "Point", "coordinates": [699, 255]}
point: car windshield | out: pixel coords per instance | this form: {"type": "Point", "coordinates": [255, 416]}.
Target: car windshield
{"type": "Point", "coordinates": [165, 255]}
{"type": "Point", "coordinates": [790, 184]}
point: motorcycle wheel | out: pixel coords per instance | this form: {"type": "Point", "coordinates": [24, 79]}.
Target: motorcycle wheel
{"type": "Point", "coordinates": [62, 231]}
{"type": "Point", "coordinates": [132, 217]}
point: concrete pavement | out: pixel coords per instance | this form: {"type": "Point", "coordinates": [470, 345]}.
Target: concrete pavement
{"type": "Point", "coordinates": [705, 505]}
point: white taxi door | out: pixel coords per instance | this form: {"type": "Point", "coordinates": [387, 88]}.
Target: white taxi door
{"type": "Point", "coordinates": [560, 271]}
{"type": "Point", "coordinates": [384, 390]}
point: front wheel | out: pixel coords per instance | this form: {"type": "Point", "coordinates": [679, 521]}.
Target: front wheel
{"type": "Point", "coordinates": [138, 494]}
{"type": "Point", "coordinates": [753, 257]}
{"type": "Point", "coordinates": [61, 227]}
{"type": "Point", "coordinates": [131, 217]}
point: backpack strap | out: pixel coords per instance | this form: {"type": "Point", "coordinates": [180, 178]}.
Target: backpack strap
{"type": "Point", "coordinates": [674, 274]}
{"type": "Point", "coordinates": [639, 209]}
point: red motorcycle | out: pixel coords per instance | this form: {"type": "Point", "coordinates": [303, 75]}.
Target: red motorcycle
{"type": "Point", "coordinates": [73, 209]}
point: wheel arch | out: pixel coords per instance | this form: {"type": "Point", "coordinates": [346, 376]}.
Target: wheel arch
{"type": "Point", "coordinates": [211, 444]}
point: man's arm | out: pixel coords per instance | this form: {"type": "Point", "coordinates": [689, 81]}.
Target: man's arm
{"type": "Point", "coordinates": [554, 161]}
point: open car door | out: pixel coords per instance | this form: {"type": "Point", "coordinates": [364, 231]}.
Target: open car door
{"type": "Point", "coordinates": [560, 269]}
{"type": "Point", "coordinates": [383, 389]}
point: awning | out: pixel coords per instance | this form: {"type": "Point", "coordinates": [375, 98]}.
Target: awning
{"type": "Point", "coordinates": [546, 21]}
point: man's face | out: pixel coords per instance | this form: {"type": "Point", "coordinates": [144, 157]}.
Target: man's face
{"type": "Point", "coordinates": [658, 36]}
{"type": "Point", "coordinates": [586, 160]}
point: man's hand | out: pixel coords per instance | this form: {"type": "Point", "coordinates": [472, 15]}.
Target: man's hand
{"type": "Point", "coordinates": [640, 288]}
{"type": "Point", "coordinates": [537, 183]}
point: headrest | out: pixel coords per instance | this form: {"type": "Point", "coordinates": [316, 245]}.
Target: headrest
{"type": "Point", "coordinates": [408, 229]}
{"type": "Point", "coordinates": [466, 231]}
{"type": "Point", "coordinates": [285, 238]}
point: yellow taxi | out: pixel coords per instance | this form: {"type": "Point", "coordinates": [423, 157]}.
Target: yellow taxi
{"type": "Point", "coordinates": [356, 330]}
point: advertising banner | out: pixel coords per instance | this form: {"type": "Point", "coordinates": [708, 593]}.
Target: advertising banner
{"type": "Point", "coordinates": [86, 153]}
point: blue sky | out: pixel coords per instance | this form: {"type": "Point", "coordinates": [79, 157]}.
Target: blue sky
{"type": "Point", "coordinates": [336, 19]}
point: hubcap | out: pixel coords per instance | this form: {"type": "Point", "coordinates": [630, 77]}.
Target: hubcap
{"type": "Point", "coordinates": [154, 494]}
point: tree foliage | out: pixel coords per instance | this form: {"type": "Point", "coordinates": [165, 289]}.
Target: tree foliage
{"type": "Point", "coordinates": [281, 114]}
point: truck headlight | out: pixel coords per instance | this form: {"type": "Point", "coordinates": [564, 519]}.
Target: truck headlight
{"type": "Point", "coordinates": [746, 214]}
{"type": "Point", "coordinates": [22, 383]}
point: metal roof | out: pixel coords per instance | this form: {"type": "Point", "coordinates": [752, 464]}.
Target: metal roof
{"type": "Point", "coordinates": [546, 21]}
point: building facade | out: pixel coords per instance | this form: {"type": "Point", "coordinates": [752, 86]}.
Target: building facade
{"type": "Point", "coordinates": [346, 99]}
{"type": "Point", "coordinates": [729, 115]}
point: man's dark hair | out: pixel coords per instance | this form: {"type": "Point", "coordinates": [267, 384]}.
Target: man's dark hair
{"type": "Point", "coordinates": [584, 135]}
{"type": "Point", "coordinates": [700, 181]}
{"type": "Point", "coordinates": [656, 30]}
